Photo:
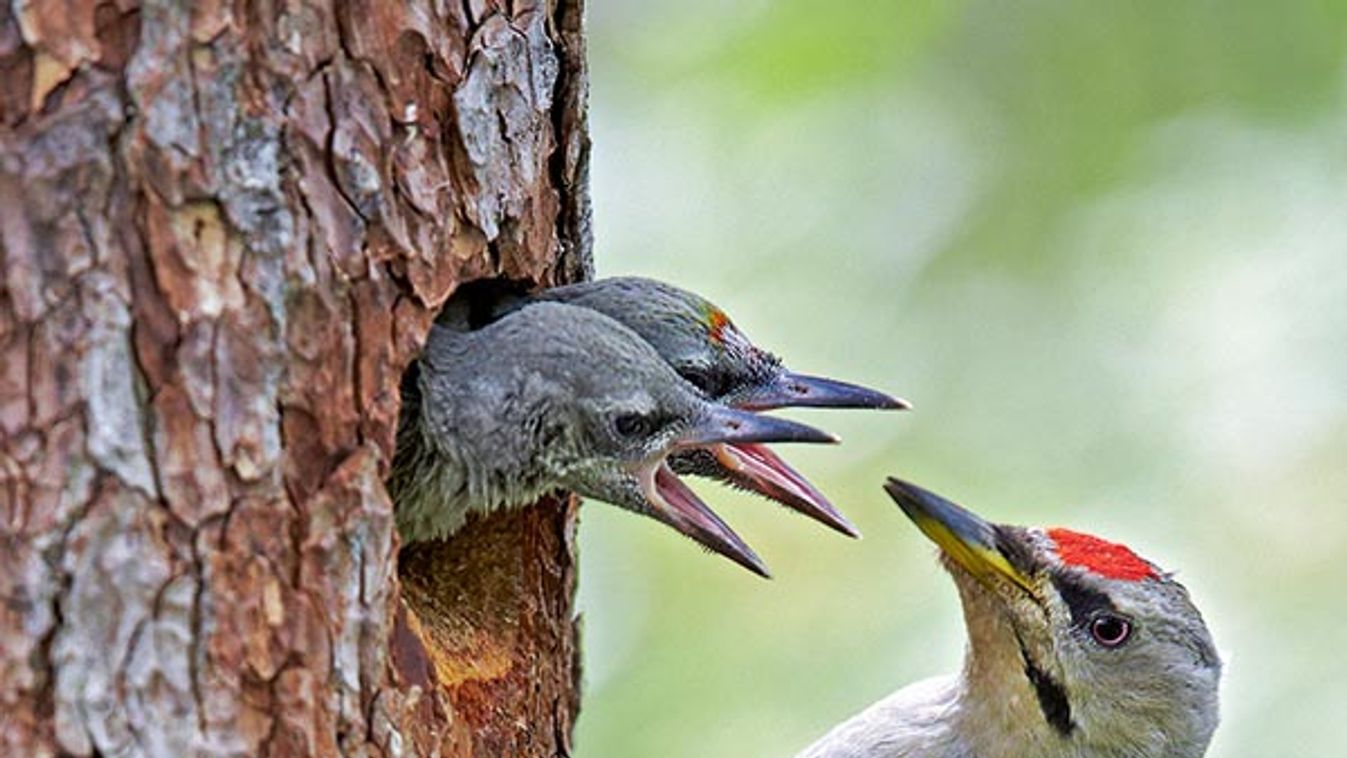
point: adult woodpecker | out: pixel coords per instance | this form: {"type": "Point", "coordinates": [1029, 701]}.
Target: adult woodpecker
{"type": "Point", "coordinates": [558, 397]}
{"type": "Point", "coordinates": [705, 348]}
{"type": "Point", "coordinates": [1077, 647]}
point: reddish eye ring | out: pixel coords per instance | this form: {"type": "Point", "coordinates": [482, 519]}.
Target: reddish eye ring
{"type": "Point", "coordinates": [1110, 631]}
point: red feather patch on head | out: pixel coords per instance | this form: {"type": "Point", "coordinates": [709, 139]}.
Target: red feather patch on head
{"type": "Point", "coordinates": [718, 322]}
{"type": "Point", "coordinates": [1107, 559]}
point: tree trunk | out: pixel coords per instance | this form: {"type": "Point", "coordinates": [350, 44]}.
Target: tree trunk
{"type": "Point", "coordinates": [224, 230]}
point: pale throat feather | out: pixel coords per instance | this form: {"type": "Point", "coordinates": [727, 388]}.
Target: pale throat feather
{"type": "Point", "coordinates": [997, 700]}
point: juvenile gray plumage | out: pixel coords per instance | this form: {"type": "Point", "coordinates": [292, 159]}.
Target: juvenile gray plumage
{"type": "Point", "coordinates": [1077, 647]}
{"type": "Point", "coordinates": [703, 345]}
{"type": "Point", "coordinates": [558, 397]}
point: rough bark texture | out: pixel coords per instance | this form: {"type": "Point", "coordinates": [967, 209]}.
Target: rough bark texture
{"type": "Point", "coordinates": [224, 230]}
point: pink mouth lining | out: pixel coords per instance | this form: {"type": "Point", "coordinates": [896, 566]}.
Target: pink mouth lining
{"type": "Point", "coordinates": [678, 505]}
{"type": "Point", "coordinates": [771, 476]}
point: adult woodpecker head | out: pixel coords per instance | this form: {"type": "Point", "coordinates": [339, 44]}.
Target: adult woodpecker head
{"type": "Point", "coordinates": [558, 397]}
{"type": "Point", "coordinates": [700, 342]}
{"type": "Point", "coordinates": [1077, 647]}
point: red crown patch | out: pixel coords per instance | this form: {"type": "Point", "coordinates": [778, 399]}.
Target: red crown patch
{"type": "Point", "coordinates": [718, 323]}
{"type": "Point", "coordinates": [1107, 559]}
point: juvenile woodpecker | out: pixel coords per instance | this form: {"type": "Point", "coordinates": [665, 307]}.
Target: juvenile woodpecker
{"type": "Point", "coordinates": [558, 397]}
{"type": "Point", "coordinates": [1077, 647]}
{"type": "Point", "coordinates": [705, 348]}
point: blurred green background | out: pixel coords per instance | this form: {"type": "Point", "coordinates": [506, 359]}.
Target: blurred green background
{"type": "Point", "coordinates": [1102, 248]}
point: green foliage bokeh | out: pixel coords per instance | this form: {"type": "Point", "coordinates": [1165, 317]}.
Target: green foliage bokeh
{"type": "Point", "coordinates": [1103, 250]}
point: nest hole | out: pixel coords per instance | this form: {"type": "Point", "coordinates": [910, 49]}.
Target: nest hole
{"type": "Point", "coordinates": [478, 603]}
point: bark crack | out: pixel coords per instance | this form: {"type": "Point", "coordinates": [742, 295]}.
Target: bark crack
{"type": "Point", "coordinates": [196, 620]}
{"type": "Point", "coordinates": [330, 151]}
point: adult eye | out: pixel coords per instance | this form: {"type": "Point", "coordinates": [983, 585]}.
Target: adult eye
{"type": "Point", "coordinates": [1110, 631]}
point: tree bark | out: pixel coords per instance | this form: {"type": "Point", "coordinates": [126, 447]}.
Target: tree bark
{"type": "Point", "coordinates": [224, 231]}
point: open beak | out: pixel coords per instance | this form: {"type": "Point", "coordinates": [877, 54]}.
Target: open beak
{"type": "Point", "coordinates": [676, 505]}
{"type": "Point", "coordinates": [755, 467]}
{"type": "Point", "coordinates": [724, 424]}
{"type": "Point", "coordinates": [963, 536]}
{"type": "Point", "coordinates": [789, 390]}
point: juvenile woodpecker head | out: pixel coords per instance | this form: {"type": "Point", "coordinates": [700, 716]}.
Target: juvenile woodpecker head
{"type": "Point", "coordinates": [1077, 646]}
{"type": "Point", "coordinates": [553, 396]}
{"type": "Point", "coordinates": [701, 343]}
{"type": "Point", "coordinates": [708, 350]}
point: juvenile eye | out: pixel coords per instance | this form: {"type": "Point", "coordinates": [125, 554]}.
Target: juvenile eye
{"type": "Point", "coordinates": [1110, 631]}
{"type": "Point", "coordinates": [632, 425]}
{"type": "Point", "coordinates": [701, 379]}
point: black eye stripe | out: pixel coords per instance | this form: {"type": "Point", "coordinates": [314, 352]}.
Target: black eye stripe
{"type": "Point", "coordinates": [1084, 603]}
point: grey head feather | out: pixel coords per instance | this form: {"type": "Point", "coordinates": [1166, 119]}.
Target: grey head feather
{"type": "Point", "coordinates": [688, 331]}
{"type": "Point", "coordinates": [503, 414]}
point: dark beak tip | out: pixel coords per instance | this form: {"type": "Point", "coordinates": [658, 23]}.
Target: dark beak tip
{"type": "Point", "coordinates": [834, 519]}
{"type": "Point", "coordinates": [847, 530]}
{"type": "Point", "coordinates": [908, 496]}
{"type": "Point", "coordinates": [880, 401]}
{"type": "Point", "coordinates": [836, 522]}
{"type": "Point", "coordinates": [735, 550]}
{"type": "Point", "coordinates": [748, 559]}
{"type": "Point", "coordinates": [897, 488]}
{"type": "Point", "coordinates": [739, 552]}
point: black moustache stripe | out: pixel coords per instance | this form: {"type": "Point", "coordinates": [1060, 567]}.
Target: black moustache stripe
{"type": "Point", "coordinates": [1051, 696]}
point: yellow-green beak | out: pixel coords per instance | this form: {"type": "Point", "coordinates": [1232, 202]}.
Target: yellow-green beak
{"type": "Point", "coordinates": [962, 535]}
